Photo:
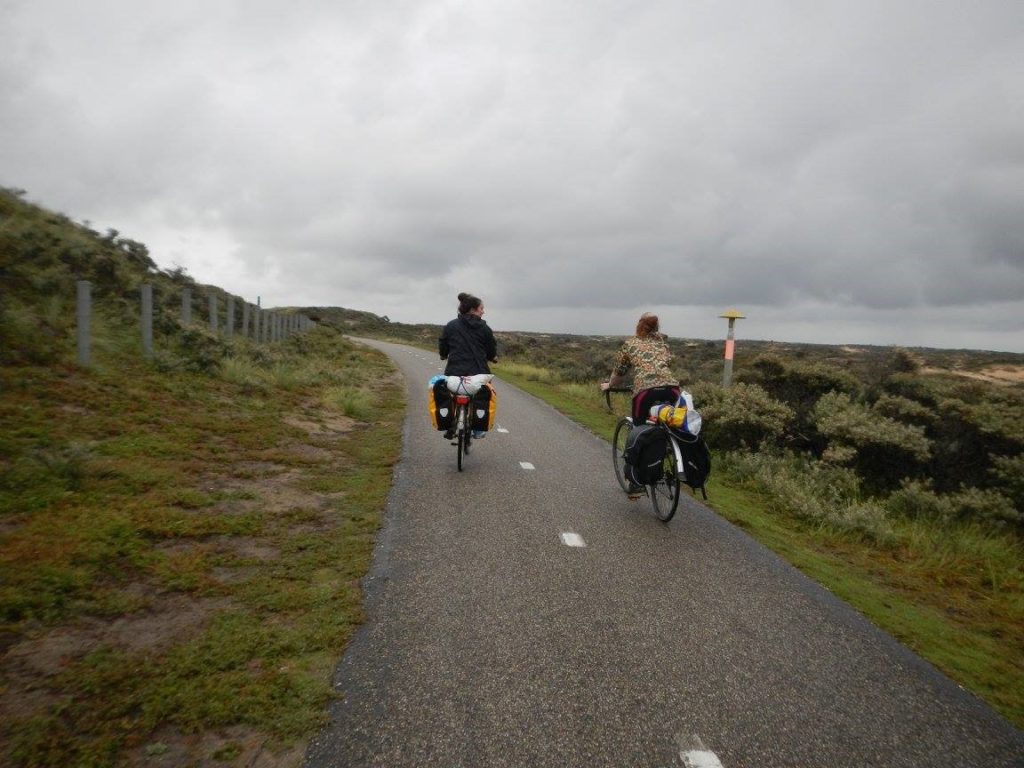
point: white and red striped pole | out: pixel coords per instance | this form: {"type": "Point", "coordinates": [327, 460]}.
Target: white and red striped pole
{"type": "Point", "coordinates": [730, 344]}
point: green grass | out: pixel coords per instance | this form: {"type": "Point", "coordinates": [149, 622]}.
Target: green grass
{"type": "Point", "coordinates": [138, 488]}
{"type": "Point", "coordinates": [584, 405]}
{"type": "Point", "coordinates": [953, 593]}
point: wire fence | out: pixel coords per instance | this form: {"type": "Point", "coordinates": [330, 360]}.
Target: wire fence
{"type": "Point", "coordinates": [241, 318]}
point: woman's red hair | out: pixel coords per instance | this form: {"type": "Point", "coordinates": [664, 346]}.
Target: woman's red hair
{"type": "Point", "coordinates": [648, 324]}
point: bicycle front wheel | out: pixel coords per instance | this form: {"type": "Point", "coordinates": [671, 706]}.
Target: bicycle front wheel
{"type": "Point", "coordinates": [619, 437]}
{"type": "Point", "coordinates": [665, 492]}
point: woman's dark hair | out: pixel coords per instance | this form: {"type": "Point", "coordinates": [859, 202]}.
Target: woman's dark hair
{"type": "Point", "coordinates": [468, 301]}
{"type": "Point", "coordinates": [648, 324]}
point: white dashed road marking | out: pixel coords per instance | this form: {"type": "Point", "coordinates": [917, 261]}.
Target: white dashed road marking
{"type": "Point", "coordinates": [694, 754]}
{"type": "Point", "coordinates": [700, 759]}
{"type": "Point", "coordinates": [573, 539]}
{"type": "Point", "coordinates": [526, 465]}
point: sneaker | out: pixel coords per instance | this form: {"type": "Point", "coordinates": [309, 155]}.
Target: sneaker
{"type": "Point", "coordinates": [479, 434]}
{"type": "Point", "coordinates": [450, 434]}
{"type": "Point", "coordinates": [636, 491]}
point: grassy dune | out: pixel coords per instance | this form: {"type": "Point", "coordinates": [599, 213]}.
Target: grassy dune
{"type": "Point", "coordinates": [181, 553]}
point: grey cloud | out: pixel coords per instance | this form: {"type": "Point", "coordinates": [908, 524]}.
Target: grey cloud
{"type": "Point", "coordinates": [572, 161]}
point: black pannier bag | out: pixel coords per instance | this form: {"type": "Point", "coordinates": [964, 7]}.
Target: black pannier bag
{"type": "Point", "coordinates": [696, 462]}
{"type": "Point", "coordinates": [644, 454]}
{"type": "Point", "coordinates": [484, 404]}
{"type": "Point", "coordinates": [440, 404]}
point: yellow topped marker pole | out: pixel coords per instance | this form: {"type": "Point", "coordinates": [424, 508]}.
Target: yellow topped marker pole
{"type": "Point", "coordinates": [732, 316]}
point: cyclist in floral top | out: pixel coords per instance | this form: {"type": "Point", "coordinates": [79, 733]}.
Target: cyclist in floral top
{"type": "Point", "coordinates": [648, 355]}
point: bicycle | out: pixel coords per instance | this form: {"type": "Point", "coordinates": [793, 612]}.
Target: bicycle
{"type": "Point", "coordinates": [463, 388]}
{"type": "Point", "coordinates": [663, 492]}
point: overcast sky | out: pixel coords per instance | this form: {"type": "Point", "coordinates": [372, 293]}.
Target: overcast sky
{"type": "Point", "coordinates": [842, 172]}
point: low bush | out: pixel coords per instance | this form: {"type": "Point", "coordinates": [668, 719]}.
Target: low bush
{"type": "Point", "coordinates": [355, 402]}
{"type": "Point", "coordinates": [742, 416]}
{"type": "Point", "coordinates": [882, 450]}
{"type": "Point", "coordinates": [810, 490]}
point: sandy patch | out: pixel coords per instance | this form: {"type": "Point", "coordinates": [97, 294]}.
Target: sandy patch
{"type": "Point", "coordinates": [237, 746]}
{"type": "Point", "coordinates": [279, 496]}
{"type": "Point", "coordinates": [271, 494]}
{"type": "Point", "coordinates": [256, 469]}
{"type": "Point", "coordinates": [1013, 374]}
{"type": "Point", "coordinates": [328, 425]}
{"type": "Point", "coordinates": [248, 548]}
{"type": "Point", "coordinates": [994, 374]}
{"type": "Point", "coordinates": [313, 454]}
{"type": "Point", "coordinates": [168, 619]}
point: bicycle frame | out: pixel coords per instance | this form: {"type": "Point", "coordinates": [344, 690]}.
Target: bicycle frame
{"type": "Point", "coordinates": [664, 494]}
{"type": "Point", "coordinates": [463, 392]}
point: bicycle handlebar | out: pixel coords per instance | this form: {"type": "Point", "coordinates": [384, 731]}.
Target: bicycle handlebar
{"type": "Point", "coordinates": [608, 395]}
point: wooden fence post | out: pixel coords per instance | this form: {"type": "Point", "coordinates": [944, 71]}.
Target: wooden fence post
{"type": "Point", "coordinates": [245, 319]}
{"type": "Point", "coordinates": [84, 313]}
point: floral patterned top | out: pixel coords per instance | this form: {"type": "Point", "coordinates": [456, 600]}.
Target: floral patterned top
{"type": "Point", "coordinates": [651, 361]}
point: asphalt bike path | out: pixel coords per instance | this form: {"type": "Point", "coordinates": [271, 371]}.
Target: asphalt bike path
{"type": "Point", "coordinates": [523, 612]}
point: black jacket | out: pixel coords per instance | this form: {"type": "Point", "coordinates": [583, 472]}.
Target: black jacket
{"type": "Point", "coordinates": [467, 343]}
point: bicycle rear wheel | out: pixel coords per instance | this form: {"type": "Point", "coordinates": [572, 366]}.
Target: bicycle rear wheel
{"type": "Point", "coordinates": [665, 492]}
{"type": "Point", "coordinates": [461, 435]}
{"type": "Point", "coordinates": [622, 430]}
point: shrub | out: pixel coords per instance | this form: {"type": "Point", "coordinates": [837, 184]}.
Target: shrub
{"type": "Point", "coordinates": [354, 402]}
{"type": "Point", "coordinates": [244, 372]}
{"type": "Point", "coordinates": [904, 409]}
{"type": "Point", "coordinates": [1008, 472]}
{"type": "Point", "coordinates": [986, 506]}
{"type": "Point", "coordinates": [879, 371]}
{"type": "Point", "coordinates": [33, 335]}
{"type": "Point", "coordinates": [967, 435]}
{"type": "Point", "coordinates": [811, 490]}
{"type": "Point", "coordinates": [799, 385]}
{"type": "Point", "coordinates": [742, 416]}
{"type": "Point", "coordinates": [882, 451]}
{"type": "Point", "coordinates": [915, 500]}
{"type": "Point", "coordinates": [201, 351]}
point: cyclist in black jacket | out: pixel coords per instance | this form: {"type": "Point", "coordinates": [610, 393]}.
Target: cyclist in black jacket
{"type": "Point", "coordinates": [467, 342]}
